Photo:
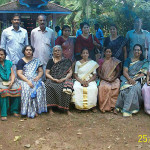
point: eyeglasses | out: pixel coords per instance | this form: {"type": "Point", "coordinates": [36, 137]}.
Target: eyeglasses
{"type": "Point", "coordinates": [137, 50]}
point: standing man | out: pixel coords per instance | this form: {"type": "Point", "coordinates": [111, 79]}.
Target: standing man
{"type": "Point", "coordinates": [79, 31]}
{"type": "Point", "coordinates": [13, 39]}
{"type": "Point", "coordinates": [42, 39]}
{"type": "Point", "coordinates": [137, 36]}
{"type": "Point", "coordinates": [99, 33]}
{"type": "Point", "coordinates": [58, 31]}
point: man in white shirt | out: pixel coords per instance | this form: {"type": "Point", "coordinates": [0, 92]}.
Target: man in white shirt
{"type": "Point", "coordinates": [43, 40]}
{"type": "Point", "coordinates": [13, 39]}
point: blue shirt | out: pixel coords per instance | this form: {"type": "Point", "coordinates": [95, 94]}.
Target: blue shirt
{"type": "Point", "coordinates": [13, 42]}
{"type": "Point", "coordinates": [59, 33]}
{"type": "Point", "coordinates": [79, 32]}
{"type": "Point", "coordinates": [99, 35]}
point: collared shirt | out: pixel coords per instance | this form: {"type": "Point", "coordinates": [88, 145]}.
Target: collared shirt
{"type": "Point", "coordinates": [147, 45]}
{"type": "Point", "coordinates": [43, 43]}
{"type": "Point", "coordinates": [136, 38]}
{"type": "Point", "coordinates": [79, 32]}
{"type": "Point", "coordinates": [13, 42]}
{"type": "Point", "coordinates": [59, 33]}
{"type": "Point", "coordinates": [99, 35]}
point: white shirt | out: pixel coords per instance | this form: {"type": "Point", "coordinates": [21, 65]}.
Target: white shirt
{"type": "Point", "coordinates": [43, 43]}
{"type": "Point", "coordinates": [13, 42]}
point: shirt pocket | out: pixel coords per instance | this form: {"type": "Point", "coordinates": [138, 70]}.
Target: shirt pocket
{"type": "Point", "coordinates": [47, 41]}
{"type": "Point", "coordinates": [21, 40]}
{"type": "Point", "coordinates": [9, 38]}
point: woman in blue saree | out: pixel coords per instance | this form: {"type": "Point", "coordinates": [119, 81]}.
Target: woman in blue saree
{"type": "Point", "coordinates": [134, 70]}
{"type": "Point", "coordinates": [33, 96]}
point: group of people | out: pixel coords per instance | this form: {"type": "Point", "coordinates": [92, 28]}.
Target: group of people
{"type": "Point", "coordinates": [41, 76]}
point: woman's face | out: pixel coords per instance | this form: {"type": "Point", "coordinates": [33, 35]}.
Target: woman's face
{"type": "Point", "coordinates": [108, 53]}
{"type": "Point", "coordinates": [85, 54]}
{"type": "Point", "coordinates": [66, 32]}
{"type": "Point", "coordinates": [86, 29]}
{"type": "Point", "coordinates": [57, 52]}
{"type": "Point", "coordinates": [2, 56]}
{"type": "Point", "coordinates": [113, 30]}
{"type": "Point", "coordinates": [28, 52]}
{"type": "Point", "coordinates": [137, 51]}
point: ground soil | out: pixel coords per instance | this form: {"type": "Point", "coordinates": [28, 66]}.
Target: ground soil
{"type": "Point", "coordinates": [79, 131]}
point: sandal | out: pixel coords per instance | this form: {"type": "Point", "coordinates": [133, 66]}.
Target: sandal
{"type": "Point", "coordinates": [4, 118]}
{"type": "Point", "coordinates": [16, 115]}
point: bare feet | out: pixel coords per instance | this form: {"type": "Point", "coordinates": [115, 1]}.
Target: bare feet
{"type": "Point", "coordinates": [51, 112]}
{"type": "Point", "coordinates": [36, 115]}
{"type": "Point", "coordinates": [69, 113]}
{"type": "Point", "coordinates": [16, 115]}
{"type": "Point", "coordinates": [115, 112]}
{"type": "Point", "coordinates": [94, 110]}
{"type": "Point", "coordinates": [4, 118]}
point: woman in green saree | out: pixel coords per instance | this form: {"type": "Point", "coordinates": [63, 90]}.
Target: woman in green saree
{"type": "Point", "coordinates": [8, 88]}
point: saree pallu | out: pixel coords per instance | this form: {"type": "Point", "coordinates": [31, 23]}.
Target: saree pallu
{"type": "Point", "coordinates": [32, 100]}
{"type": "Point", "coordinates": [146, 98]}
{"type": "Point", "coordinates": [85, 97]}
{"type": "Point", "coordinates": [108, 92]}
{"type": "Point", "coordinates": [67, 47]}
{"type": "Point", "coordinates": [54, 91]}
{"type": "Point", "coordinates": [5, 73]}
{"type": "Point", "coordinates": [130, 97]}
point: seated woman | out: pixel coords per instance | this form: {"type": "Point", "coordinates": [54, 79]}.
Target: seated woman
{"type": "Point", "coordinates": [8, 88]}
{"type": "Point", "coordinates": [58, 70]}
{"type": "Point", "coordinates": [109, 70]}
{"type": "Point", "coordinates": [146, 93]}
{"type": "Point", "coordinates": [33, 95]}
{"type": "Point", "coordinates": [134, 70]}
{"type": "Point", "coordinates": [85, 87]}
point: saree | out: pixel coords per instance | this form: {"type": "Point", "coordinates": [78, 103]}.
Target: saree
{"type": "Point", "coordinates": [67, 47]}
{"type": "Point", "coordinates": [129, 99]}
{"type": "Point", "coordinates": [108, 91]}
{"type": "Point", "coordinates": [5, 73]}
{"type": "Point", "coordinates": [117, 46]}
{"type": "Point", "coordinates": [54, 91]}
{"type": "Point", "coordinates": [85, 98]}
{"type": "Point", "coordinates": [146, 96]}
{"type": "Point", "coordinates": [32, 100]}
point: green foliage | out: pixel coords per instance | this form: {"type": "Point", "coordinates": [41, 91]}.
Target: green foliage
{"type": "Point", "coordinates": [4, 1]}
{"type": "Point", "coordinates": [105, 12]}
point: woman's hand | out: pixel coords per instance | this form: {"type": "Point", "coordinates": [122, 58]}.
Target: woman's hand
{"type": "Point", "coordinates": [59, 80]}
{"type": "Point", "coordinates": [95, 43]}
{"type": "Point", "coordinates": [84, 83]}
{"type": "Point", "coordinates": [30, 84]}
{"type": "Point", "coordinates": [36, 78]}
{"type": "Point", "coordinates": [10, 85]}
{"type": "Point", "coordinates": [148, 83]}
{"type": "Point", "coordinates": [131, 81]}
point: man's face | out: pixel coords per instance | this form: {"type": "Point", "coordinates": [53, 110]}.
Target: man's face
{"type": "Point", "coordinates": [138, 24]}
{"type": "Point", "coordinates": [16, 22]}
{"type": "Point", "coordinates": [42, 21]}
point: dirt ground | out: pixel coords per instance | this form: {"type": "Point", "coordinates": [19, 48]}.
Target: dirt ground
{"type": "Point", "coordinates": [80, 131]}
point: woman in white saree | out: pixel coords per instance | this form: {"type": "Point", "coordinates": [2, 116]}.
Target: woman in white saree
{"type": "Point", "coordinates": [85, 87]}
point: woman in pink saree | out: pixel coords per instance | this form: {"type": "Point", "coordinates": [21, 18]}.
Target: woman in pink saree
{"type": "Point", "coordinates": [66, 42]}
{"type": "Point", "coordinates": [146, 93]}
{"type": "Point", "coordinates": [109, 70]}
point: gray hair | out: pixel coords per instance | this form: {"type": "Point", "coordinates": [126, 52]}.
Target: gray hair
{"type": "Point", "coordinates": [57, 46]}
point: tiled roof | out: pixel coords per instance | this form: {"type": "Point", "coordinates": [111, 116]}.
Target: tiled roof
{"type": "Point", "coordinates": [49, 8]}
